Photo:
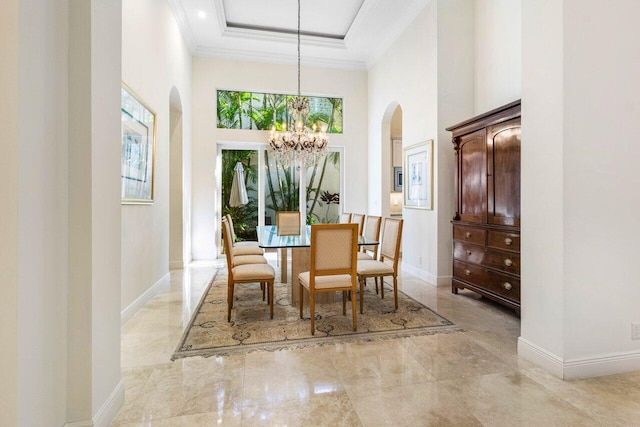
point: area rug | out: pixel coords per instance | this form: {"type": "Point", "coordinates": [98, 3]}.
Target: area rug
{"type": "Point", "coordinates": [251, 329]}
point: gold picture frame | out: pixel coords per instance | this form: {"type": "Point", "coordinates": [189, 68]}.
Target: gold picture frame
{"type": "Point", "coordinates": [418, 175]}
{"type": "Point", "coordinates": [138, 148]}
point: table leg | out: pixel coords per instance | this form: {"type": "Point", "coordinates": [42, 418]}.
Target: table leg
{"type": "Point", "coordinates": [283, 264]}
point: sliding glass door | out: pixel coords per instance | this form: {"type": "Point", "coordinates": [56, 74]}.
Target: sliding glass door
{"type": "Point", "coordinates": [270, 187]}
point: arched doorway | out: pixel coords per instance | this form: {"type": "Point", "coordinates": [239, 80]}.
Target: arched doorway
{"type": "Point", "coordinates": [176, 223]}
{"type": "Point", "coordinates": [391, 157]}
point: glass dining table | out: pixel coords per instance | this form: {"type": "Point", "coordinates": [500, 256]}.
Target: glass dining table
{"type": "Point", "coordinates": [268, 238]}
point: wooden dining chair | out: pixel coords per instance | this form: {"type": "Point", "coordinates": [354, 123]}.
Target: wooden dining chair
{"type": "Point", "coordinates": [345, 218]}
{"type": "Point", "coordinates": [242, 248]}
{"type": "Point", "coordinates": [371, 232]}
{"type": "Point", "coordinates": [358, 219]}
{"type": "Point", "coordinates": [388, 263]}
{"type": "Point", "coordinates": [288, 223]}
{"type": "Point", "coordinates": [333, 266]}
{"type": "Point", "coordinates": [245, 273]}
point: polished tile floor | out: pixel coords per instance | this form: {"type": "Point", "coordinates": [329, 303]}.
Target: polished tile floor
{"type": "Point", "coordinates": [471, 378]}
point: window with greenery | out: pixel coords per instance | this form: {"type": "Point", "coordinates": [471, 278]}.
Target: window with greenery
{"type": "Point", "coordinates": [260, 111]}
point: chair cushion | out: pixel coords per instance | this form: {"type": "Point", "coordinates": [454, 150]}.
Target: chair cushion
{"type": "Point", "coordinates": [374, 268]}
{"type": "Point", "coordinates": [253, 272]}
{"type": "Point", "coordinates": [325, 282]}
{"type": "Point", "coordinates": [248, 259]}
{"type": "Point", "coordinates": [247, 250]}
{"type": "Point", "coordinates": [363, 256]}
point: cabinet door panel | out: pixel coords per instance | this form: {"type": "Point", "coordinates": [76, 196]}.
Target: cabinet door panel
{"type": "Point", "coordinates": [472, 179]}
{"type": "Point", "coordinates": [503, 146]}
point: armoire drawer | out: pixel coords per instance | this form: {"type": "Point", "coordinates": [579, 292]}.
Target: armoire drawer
{"type": "Point", "coordinates": [470, 234]}
{"type": "Point", "coordinates": [497, 283]}
{"type": "Point", "coordinates": [504, 240]}
{"type": "Point", "coordinates": [508, 262]}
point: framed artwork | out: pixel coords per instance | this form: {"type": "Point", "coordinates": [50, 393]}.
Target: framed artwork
{"type": "Point", "coordinates": [137, 148]}
{"type": "Point", "coordinates": [418, 175]}
{"type": "Point", "coordinates": [397, 179]}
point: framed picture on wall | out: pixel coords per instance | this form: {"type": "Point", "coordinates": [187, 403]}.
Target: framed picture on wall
{"type": "Point", "coordinates": [138, 143]}
{"type": "Point", "coordinates": [397, 179]}
{"type": "Point", "coordinates": [418, 175]}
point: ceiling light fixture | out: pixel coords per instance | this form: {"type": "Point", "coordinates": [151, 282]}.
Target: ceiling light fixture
{"type": "Point", "coordinates": [202, 14]}
{"type": "Point", "coordinates": [300, 143]}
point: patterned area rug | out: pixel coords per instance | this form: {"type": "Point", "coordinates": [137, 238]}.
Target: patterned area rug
{"type": "Point", "coordinates": [209, 333]}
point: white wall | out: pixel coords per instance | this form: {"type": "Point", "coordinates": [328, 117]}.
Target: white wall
{"type": "Point", "coordinates": [498, 38]}
{"type": "Point", "coordinates": [42, 207]}
{"type": "Point", "coordinates": [61, 354]}
{"type": "Point", "coordinates": [210, 74]}
{"type": "Point", "coordinates": [542, 195]}
{"type": "Point", "coordinates": [406, 75]}
{"type": "Point", "coordinates": [154, 59]}
{"type": "Point", "coordinates": [9, 191]}
{"type": "Point", "coordinates": [176, 229]}
{"type": "Point", "coordinates": [598, 186]}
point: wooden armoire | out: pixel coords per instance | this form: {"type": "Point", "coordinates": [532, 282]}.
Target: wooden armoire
{"type": "Point", "coordinates": [486, 225]}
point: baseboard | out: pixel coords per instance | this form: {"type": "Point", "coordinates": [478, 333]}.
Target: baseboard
{"type": "Point", "coordinates": [176, 265]}
{"type": "Point", "coordinates": [541, 357]}
{"type": "Point", "coordinates": [431, 279]}
{"type": "Point", "coordinates": [607, 364]}
{"type": "Point", "coordinates": [143, 299]}
{"type": "Point", "coordinates": [107, 412]}
{"type": "Point", "coordinates": [584, 367]}
{"type": "Point", "coordinates": [420, 274]}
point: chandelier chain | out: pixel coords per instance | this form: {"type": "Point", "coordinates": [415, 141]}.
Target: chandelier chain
{"type": "Point", "coordinates": [298, 47]}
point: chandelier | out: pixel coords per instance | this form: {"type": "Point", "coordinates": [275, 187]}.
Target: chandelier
{"type": "Point", "coordinates": [300, 143]}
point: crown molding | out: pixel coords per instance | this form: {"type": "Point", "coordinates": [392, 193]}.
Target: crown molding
{"type": "Point", "coordinates": [183, 24]}
{"type": "Point", "coordinates": [278, 58]}
{"type": "Point", "coordinates": [274, 36]}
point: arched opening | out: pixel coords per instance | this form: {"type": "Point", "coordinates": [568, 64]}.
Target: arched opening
{"type": "Point", "coordinates": [176, 223]}
{"type": "Point", "coordinates": [391, 158]}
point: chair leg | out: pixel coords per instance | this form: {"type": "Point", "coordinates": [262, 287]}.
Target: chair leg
{"type": "Point", "coordinates": [344, 303]}
{"type": "Point", "coordinates": [382, 286]}
{"type": "Point", "coordinates": [362, 280]}
{"type": "Point", "coordinates": [395, 290]}
{"type": "Point", "coordinates": [270, 296]}
{"type": "Point", "coordinates": [263, 289]}
{"type": "Point", "coordinates": [312, 310]}
{"type": "Point", "coordinates": [353, 311]}
{"type": "Point", "coordinates": [376, 279]}
{"type": "Point", "coordinates": [300, 294]}
{"type": "Point", "coordinates": [229, 300]}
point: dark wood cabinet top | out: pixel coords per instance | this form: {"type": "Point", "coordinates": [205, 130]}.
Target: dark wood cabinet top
{"type": "Point", "coordinates": [497, 115]}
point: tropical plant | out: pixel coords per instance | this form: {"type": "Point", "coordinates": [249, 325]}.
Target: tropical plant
{"type": "Point", "coordinates": [314, 190]}
{"type": "Point", "coordinates": [261, 111]}
{"type": "Point", "coordinates": [245, 218]}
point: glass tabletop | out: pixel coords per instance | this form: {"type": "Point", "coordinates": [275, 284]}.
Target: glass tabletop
{"type": "Point", "coordinates": [268, 238]}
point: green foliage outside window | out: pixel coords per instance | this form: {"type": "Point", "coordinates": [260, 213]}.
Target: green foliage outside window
{"type": "Point", "coordinates": [260, 111]}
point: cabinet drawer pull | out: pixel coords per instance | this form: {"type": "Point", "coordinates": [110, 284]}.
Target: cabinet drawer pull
{"type": "Point", "coordinates": [467, 272]}
{"type": "Point", "coordinates": [507, 286]}
{"type": "Point", "coordinates": [468, 252]}
{"type": "Point", "coordinates": [467, 234]}
{"type": "Point", "coordinates": [508, 262]}
{"type": "Point", "coordinates": [508, 241]}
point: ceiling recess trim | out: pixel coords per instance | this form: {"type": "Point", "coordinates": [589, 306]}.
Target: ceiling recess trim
{"type": "Point", "coordinates": [278, 58]}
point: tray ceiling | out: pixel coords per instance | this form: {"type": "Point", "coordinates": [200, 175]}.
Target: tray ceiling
{"type": "Point", "coordinates": [335, 33]}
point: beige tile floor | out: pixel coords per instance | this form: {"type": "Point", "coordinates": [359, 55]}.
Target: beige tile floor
{"type": "Point", "coordinates": [471, 378]}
